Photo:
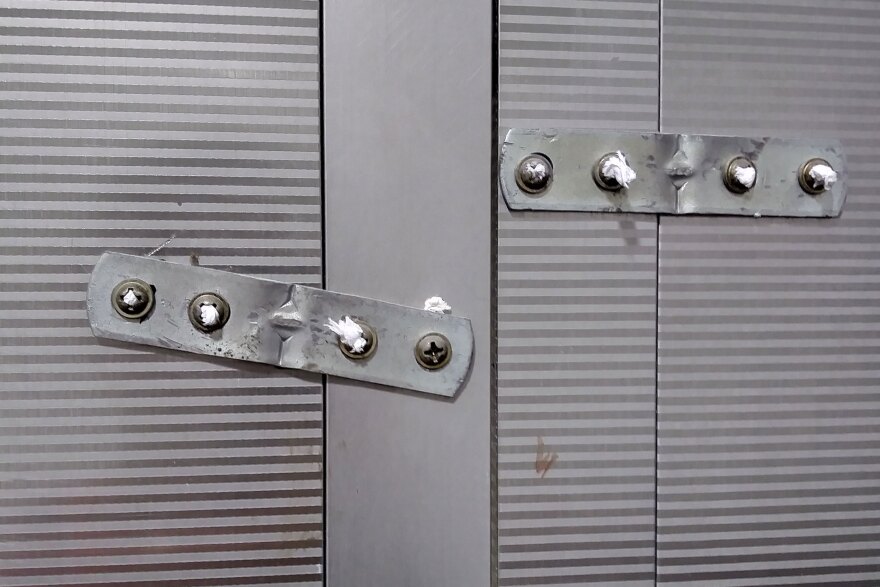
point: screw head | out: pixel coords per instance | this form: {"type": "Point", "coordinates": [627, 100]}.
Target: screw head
{"type": "Point", "coordinates": [369, 334]}
{"type": "Point", "coordinates": [132, 299]}
{"type": "Point", "coordinates": [433, 351]}
{"type": "Point", "coordinates": [808, 183]}
{"type": "Point", "coordinates": [534, 173]}
{"type": "Point", "coordinates": [740, 175]}
{"type": "Point", "coordinates": [604, 180]}
{"type": "Point", "coordinates": [208, 312]}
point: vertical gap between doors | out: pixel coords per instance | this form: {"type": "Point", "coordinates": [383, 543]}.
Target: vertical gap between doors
{"type": "Point", "coordinates": [493, 307]}
{"type": "Point", "coordinates": [657, 299]}
{"type": "Point", "coordinates": [323, 190]}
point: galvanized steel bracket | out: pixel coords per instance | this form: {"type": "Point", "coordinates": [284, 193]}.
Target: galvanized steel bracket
{"type": "Point", "coordinates": [675, 174]}
{"type": "Point", "coordinates": [277, 323]}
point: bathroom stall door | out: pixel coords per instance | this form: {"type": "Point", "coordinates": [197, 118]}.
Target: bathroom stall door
{"type": "Point", "coordinates": [769, 347]}
{"type": "Point", "coordinates": [576, 312]}
{"type": "Point", "coordinates": [189, 131]}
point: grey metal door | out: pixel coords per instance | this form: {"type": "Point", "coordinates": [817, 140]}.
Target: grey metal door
{"type": "Point", "coordinates": [193, 132]}
{"type": "Point", "coordinates": [190, 131]}
{"type": "Point", "coordinates": [577, 312]}
{"type": "Point", "coordinates": [766, 390]}
{"type": "Point", "coordinates": [769, 362]}
{"type": "Point", "coordinates": [675, 401]}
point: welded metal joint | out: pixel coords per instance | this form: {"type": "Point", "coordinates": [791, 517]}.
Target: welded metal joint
{"type": "Point", "coordinates": [148, 301]}
{"type": "Point", "coordinates": [674, 173]}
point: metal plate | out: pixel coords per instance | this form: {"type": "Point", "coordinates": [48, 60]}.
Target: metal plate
{"type": "Point", "coordinates": [278, 323]}
{"type": "Point", "coordinates": [676, 174]}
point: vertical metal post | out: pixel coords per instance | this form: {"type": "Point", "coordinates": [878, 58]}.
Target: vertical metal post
{"type": "Point", "coordinates": [408, 216]}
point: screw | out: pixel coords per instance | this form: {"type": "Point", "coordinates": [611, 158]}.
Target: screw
{"type": "Point", "coordinates": [433, 351]}
{"type": "Point", "coordinates": [534, 173]}
{"type": "Point", "coordinates": [208, 312]}
{"type": "Point", "coordinates": [740, 175]}
{"type": "Point", "coordinates": [369, 334]}
{"type": "Point", "coordinates": [132, 299]}
{"type": "Point", "coordinates": [604, 176]}
{"type": "Point", "coordinates": [813, 185]}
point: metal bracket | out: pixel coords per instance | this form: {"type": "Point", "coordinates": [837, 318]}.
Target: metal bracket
{"type": "Point", "coordinates": [675, 174]}
{"type": "Point", "coordinates": [276, 323]}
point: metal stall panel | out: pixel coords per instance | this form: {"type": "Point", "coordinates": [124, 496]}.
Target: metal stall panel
{"type": "Point", "coordinates": [191, 129]}
{"type": "Point", "coordinates": [576, 312]}
{"type": "Point", "coordinates": [769, 348]}
{"type": "Point", "coordinates": [408, 131]}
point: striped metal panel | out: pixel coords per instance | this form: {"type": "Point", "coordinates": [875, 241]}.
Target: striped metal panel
{"type": "Point", "coordinates": [194, 127]}
{"type": "Point", "coordinates": [576, 313]}
{"type": "Point", "coordinates": [769, 366]}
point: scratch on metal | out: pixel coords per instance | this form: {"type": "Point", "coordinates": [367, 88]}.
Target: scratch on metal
{"type": "Point", "coordinates": [162, 246]}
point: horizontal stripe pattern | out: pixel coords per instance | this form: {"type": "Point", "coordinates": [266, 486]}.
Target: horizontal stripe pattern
{"type": "Point", "coordinates": [190, 129]}
{"type": "Point", "coordinates": [576, 313]}
{"type": "Point", "coordinates": [769, 349]}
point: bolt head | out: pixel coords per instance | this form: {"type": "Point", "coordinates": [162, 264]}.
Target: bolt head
{"type": "Point", "coordinates": [208, 312]}
{"type": "Point", "coordinates": [534, 173]}
{"type": "Point", "coordinates": [808, 183]}
{"type": "Point", "coordinates": [735, 178]}
{"type": "Point", "coordinates": [132, 299]}
{"type": "Point", "coordinates": [433, 351]}
{"type": "Point", "coordinates": [604, 180]}
{"type": "Point", "coordinates": [369, 334]}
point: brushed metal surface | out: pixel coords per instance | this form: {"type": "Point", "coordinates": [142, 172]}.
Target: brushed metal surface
{"type": "Point", "coordinates": [576, 312]}
{"type": "Point", "coordinates": [125, 126]}
{"type": "Point", "coordinates": [769, 367]}
{"type": "Point", "coordinates": [408, 129]}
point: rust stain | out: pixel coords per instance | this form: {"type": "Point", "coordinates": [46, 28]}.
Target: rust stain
{"type": "Point", "coordinates": [544, 459]}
